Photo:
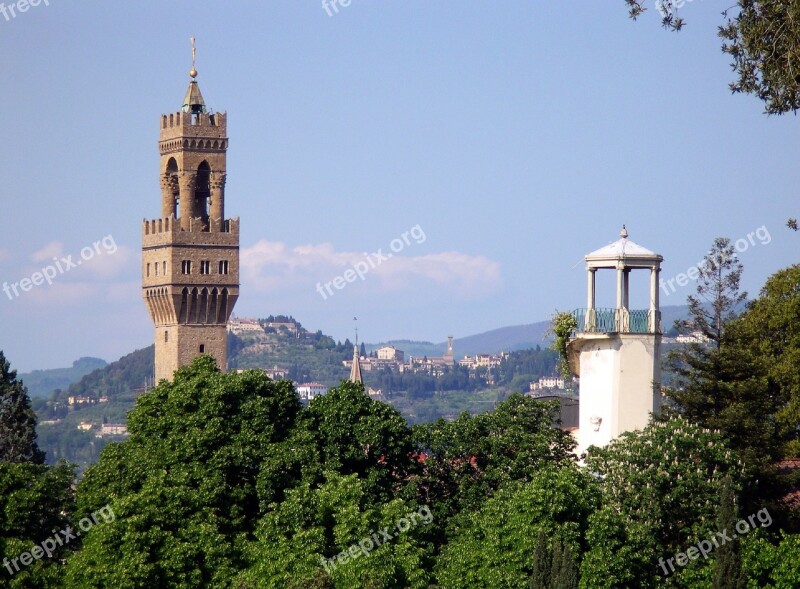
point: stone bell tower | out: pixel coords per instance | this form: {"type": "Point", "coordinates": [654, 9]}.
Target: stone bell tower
{"type": "Point", "coordinates": [190, 254]}
{"type": "Point", "coordinates": [616, 352]}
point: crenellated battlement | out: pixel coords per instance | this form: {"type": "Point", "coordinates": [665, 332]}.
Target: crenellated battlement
{"type": "Point", "coordinates": [168, 231]}
{"type": "Point", "coordinates": [186, 124]}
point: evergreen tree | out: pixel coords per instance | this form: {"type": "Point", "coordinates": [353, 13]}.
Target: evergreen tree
{"type": "Point", "coordinates": [540, 576]}
{"type": "Point", "coordinates": [728, 566]}
{"type": "Point", "coordinates": [700, 367]}
{"type": "Point", "coordinates": [566, 575]}
{"type": "Point", "coordinates": [555, 564]}
{"type": "Point", "coordinates": [363, 351]}
{"type": "Point", "coordinates": [17, 419]}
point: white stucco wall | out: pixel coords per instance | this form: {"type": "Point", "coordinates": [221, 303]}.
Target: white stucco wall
{"type": "Point", "coordinates": [616, 386]}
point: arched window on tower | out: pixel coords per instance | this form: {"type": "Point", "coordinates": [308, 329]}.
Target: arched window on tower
{"type": "Point", "coordinates": [202, 193]}
{"type": "Point", "coordinates": [172, 173]}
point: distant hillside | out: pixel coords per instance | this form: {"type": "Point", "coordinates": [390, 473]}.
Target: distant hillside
{"type": "Point", "coordinates": [310, 356]}
{"type": "Point", "coordinates": [505, 339]}
{"type": "Point", "coordinates": [42, 383]}
{"type": "Point", "coordinates": [127, 374]}
{"type": "Point", "coordinates": [304, 355]}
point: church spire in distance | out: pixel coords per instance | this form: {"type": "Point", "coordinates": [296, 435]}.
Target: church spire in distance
{"type": "Point", "coordinates": [355, 371]}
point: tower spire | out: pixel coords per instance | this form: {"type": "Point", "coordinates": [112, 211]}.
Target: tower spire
{"type": "Point", "coordinates": [193, 71]}
{"type": "Point", "coordinates": [193, 101]}
{"type": "Point", "coordinates": [355, 371]}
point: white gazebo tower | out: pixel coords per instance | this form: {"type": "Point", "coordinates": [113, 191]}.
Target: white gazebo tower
{"type": "Point", "coordinates": [616, 351]}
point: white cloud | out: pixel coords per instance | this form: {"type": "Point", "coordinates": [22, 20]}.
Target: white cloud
{"type": "Point", "coordinates": [106, 264]}
{"type": "Point", "coordinates": [48, 252]}
{"type": "Point", "coordinates": [272, 266]}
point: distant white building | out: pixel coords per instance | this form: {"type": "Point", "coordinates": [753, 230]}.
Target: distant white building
{"type": "Point", "coordinates": [548, 382]}
{"type": "Point", "coordinates": [113, 429]}
{"type": "Point", "coordinates": [276, 373]}
{"type": "Point", "coordinates": [239, 325]}
{"type": "Point", "coordinates": [391, 353]}
{"type": "Point", "coordinates": [308, 391]}
{"type": "Point", "coordinates": [696, 337]}
{"type": "Point", "coordinates": [483, 360]}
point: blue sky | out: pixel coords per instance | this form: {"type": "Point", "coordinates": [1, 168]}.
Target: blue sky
{"type": "Point", "coordinates": [516, 136]}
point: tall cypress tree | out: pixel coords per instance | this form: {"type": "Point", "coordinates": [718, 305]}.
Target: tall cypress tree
{"type": "Point", "coordinates": [556, 561]}
{"type": "Point", "coordinates": [728, 565]}
{"type": "Point", "coordinates": [542, 563]}
{"type": "Point", "coordinates": [17, 419]}
{"type": "Point", "coordinates": [565, 576]}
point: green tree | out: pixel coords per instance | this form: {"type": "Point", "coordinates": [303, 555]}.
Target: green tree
{"type": "Point", "coordinates": [358, 435]}
{"type": "Point", "coordinates": [771, 563]}
{"type": "Point", "coordinates": [306, 541]}
{"type": "Point", "coordinates": [767, 340]}
{"type": "Point", "coordinates": [186, 487]}
{"type": "Point", "coordinates": [17, 419]}
{"type": "Point", "coordinates": [35, 501]}
{"type": "Point", "coordinates": [762, 38]}
{"type": "Point", "coordinates": [566, 574]}
{"type": "Point", "coordinates": [700, 367]}
{"type": "Point", "coordinates": [718, 297]}
{"type": "Point", "coordinates": [542, 563]}
{"type": "Point", "coordinates": [660, 488]}
{"type": "Point", "coordinates": [493, 546]}
{"type": "Point", "coordinates": [728, 566]}
{"type": "Point", "coordinates": [464, 462]}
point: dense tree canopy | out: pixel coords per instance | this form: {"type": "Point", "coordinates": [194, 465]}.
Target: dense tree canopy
{"type": "Point", "coordinates": [494, 546]}
{"type": "Point", "coordinates": [762, 38]}
{"type": "Point", "coordinates": [661, 489]}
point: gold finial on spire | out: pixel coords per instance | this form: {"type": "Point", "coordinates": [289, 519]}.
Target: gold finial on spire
{"type": "Point", "coordinates": [193, 71]}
